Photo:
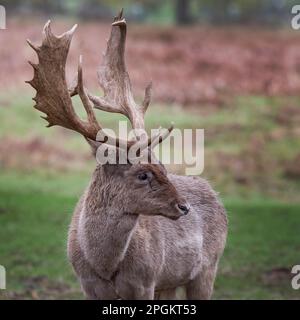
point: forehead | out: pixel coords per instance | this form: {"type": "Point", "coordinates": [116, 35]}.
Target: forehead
{"type": "Point", "coordinates": [158, 170]}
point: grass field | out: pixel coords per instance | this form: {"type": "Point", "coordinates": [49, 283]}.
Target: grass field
{"type": "Point", "coordinates": [252, 145]}
{"type": "Point", "coordinates": [262, 246]}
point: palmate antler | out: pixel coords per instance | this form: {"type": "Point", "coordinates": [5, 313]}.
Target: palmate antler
{"type": "Point", "coordinates": [54, 97]}
{"type": "Point", "coordinates": [115, 82]}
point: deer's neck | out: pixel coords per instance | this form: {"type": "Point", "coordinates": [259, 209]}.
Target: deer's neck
{"type": "Point", "coordinates": [105, 230]}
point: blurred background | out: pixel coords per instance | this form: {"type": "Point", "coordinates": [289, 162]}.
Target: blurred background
{"type": "Point", "coordinates": [231, 67]}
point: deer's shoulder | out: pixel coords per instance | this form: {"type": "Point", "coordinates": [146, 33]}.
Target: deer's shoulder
{"type": "Point", "coordinates": [194, 187]}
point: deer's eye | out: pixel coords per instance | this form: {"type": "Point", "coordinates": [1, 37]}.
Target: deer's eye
{"type": "Point", "coordinates": [143, 176]}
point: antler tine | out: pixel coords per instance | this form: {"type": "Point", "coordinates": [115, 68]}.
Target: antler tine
{"type": "Point", "coordinates": [34, 47]}
{"type": "Point", "coordinates": [53, 97]}
{"type": "Point", "coordinates": [155, 139]}
{"type": "Point", "coordinates": [85, 99]}
{"type": "Point", "coordinates": [147, 98]}
{"type": "Point", "coordinates": [161, 136]}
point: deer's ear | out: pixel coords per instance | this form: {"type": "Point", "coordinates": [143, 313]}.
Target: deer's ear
{"type": "Point", "coordinates": [94, 145]}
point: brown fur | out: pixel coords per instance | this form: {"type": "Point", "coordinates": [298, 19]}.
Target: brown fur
{"type": "Point", "coordinates": [128, 237]}
{"type": "Point", "coordinates": [122, 244]}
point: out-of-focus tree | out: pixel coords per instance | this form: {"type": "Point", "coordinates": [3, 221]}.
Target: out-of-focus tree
{"type": "Point", "coordinates": [48, 6]}
{"type": "Point", "coordinates": [27, 6]}
{"type": "Point", "coordinates": [182, 12]}
{"type": "Point", "coordinates": [244, 11]}
{"type": "Point", "coordinates": [11, 4]}
{"type": "Point", "coordinates": [105, 9]}
{"type": "Point", "coordinates": [94, 9]}
{"type": "Point", "coordinates": [167, 11]}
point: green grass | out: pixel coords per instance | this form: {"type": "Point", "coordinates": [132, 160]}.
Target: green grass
{"type": "Point", "coordinates": [36, 210]}
{"type": "Point", "coordinates": [245, 158]}
{"type": "Point", "coordinates": [263, 237]}
{"type": "Point", "coordinates": [33, 236]}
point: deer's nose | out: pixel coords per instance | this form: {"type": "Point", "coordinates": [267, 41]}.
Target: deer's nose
{"type": "Point", "coordinates": [184, 208]}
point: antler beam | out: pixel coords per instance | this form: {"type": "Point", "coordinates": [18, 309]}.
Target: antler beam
{"type": "Point", "coordinates": [115, 81]}
{"type": "Point", "coordinates": [53, 96]}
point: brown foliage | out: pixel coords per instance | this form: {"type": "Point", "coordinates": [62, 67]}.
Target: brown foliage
{"type": "Point", "coordinates": [187, 66]}
{"type": "Point", "coordinates": [37, 153]}
{"type": "Point", "coordinates": [292, 168]}
{"type": "Point", "coordinates": [288, 115]}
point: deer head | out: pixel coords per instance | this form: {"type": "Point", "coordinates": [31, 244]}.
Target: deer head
{"type": "Point", "coordinates": [137, 189]}
{"type": "Point", "coordinates": [53, 98]}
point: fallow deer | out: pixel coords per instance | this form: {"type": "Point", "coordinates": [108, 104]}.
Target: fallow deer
{"type": "Point", "coordinates": [137, 232]}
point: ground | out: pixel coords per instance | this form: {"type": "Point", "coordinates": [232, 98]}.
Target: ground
{"type": "Point", "coordinates": [188, 66]}
{"type": "Point", "coordinates": [262, 245]}
{"type": "Point", "coordinates": [44, 171]}
{"type": "Point", "coordinates": [241, 86]}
